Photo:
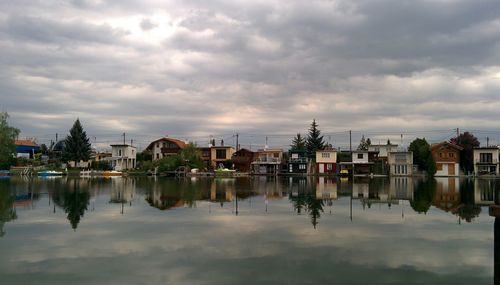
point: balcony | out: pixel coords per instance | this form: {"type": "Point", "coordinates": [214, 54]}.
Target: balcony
{"type": "Point", "coordinates": [486, 161]}
{"type": "Point", "coordinates": [268, 160]}
{"type": "Point", "coordinates": [298, 160]}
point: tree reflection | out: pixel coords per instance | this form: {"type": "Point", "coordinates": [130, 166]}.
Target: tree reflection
{"type": "Point", "coordinates": [7, 211]}
{"type": "Point", "coordinates": [315, 208]}
{"type": "Point", "coordinates": [74, 200]}
{"type": "Point", "coordinates": [423, 195]}
{"type": "Point", "coordinates": [467, 210]}
{"type": "Point", "coordinates": [303, 198]}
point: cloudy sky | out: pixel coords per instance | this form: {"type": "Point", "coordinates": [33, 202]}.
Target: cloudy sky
{"type": "Point", "coordinates": [197, 68]}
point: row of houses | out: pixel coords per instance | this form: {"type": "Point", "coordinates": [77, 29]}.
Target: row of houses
{"type": "Point", "coordinates": [382, 159]}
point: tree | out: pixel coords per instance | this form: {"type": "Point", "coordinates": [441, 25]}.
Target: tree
{"type": "Point", "coordinates": [314, 140]}
{"type": "Point", "coordinates": [298, 143]}
{"type": "Point", "coordinates": [363, 144]}
{"type": "Point", "coordinates": [368, 142]}
{"type": "Point", "coordinates": [7, 136]}
{"type": "Point", "coordinates": [76, 144]}
{"type": "Point", "coordinates": [422, 155]}
{"type": "Point", "coordinates": [468, 142]}
{"type": "Point", "coordinates": [191, 156]}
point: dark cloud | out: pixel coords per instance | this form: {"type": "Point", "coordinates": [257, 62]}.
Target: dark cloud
{"type": "Point", "coordinates": [215, 67]}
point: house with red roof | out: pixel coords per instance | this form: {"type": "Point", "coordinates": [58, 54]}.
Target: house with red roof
{"type": "Point", "coordinates": [165, 146]}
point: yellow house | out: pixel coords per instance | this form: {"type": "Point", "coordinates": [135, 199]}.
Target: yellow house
{"type": "Point", "coordinates": [220, 154]}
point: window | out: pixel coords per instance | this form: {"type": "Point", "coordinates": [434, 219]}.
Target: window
{"type": "Point", "coordinates": [360, 156]}
{"type": "Point", "coordinates": [486, 157]}
{"type": "Point", "coordinates": [157, 156]}
{"type": "Point", "coordinates": [441, 155]}
{"type": "Point", "coordinates": [119, 152]}
{"type": "Point", "coordinates": [157, 145]}
{"type": "Point", "coordinates": [220, 154]}
{"type": "Point", "coordinates": [276, 155]}
{"type": "Point", "coordinates": [451, 155]}
{"type": "Point", "coordinates": [302, 166]}
{"type": "Point", "coordinates": [295, 155]}
{"type": "Point", "coordinates": [325, 155]}
{"type": "Point", "coordinates": [329, 166]}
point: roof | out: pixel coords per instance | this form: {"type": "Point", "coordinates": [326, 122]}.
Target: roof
{"type": "Point", "coordinates": [487, 147]}
{"type": "Point", "coordinates": [179, 143]}
{"type": "Point", "coordinates": [271, 150]}
{"type": "Point", "coordinates": [126, 145]}
{"type": "Point", "coordinates": [436, 145]}
{"type": "Point", "coordinates": [25, 143]}
{"type": "Point", "coordinates": [327, 150]}
{"type": "Point", "coordinates": [381, 145]}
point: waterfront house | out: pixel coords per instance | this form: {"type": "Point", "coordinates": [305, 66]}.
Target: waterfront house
{"type": "Point", "coordinates": [363, 161]}
{"type": "Point", "coordinates": [123, 157]}
{"type": "Point", "coordinates": [326, 161]}
{"type": "Point", "coordinates": [486, 160]}
{"type": "Point", "coordinates": [166, 146]}
{"type": "Point", "coordinates": [383, 149]}
{"type": "Point", "coordinates": [242, 160]}
{"type": "Point", "coordinates": [268, 161]}
{"type": "Point", "coordinates": [26, 148]}
{"type": "Point", "coordinates": [447, 158]}
{"type": "Point", "coordinates": [400, 163]}
{"type": "Point", "coordinates": [297, 161]}
{"type": "Point", "coordinates": [220, 156]}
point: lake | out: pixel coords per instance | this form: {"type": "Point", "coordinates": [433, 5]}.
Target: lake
{"type": "Point", "coordinates": [258, 230]}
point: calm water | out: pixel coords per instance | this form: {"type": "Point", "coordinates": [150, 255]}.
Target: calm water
{"type": "Point", "coordinates": [246, 231]}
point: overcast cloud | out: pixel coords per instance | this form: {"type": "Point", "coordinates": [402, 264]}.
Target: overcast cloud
{"type": "Point", "coordinates": [200, 68]}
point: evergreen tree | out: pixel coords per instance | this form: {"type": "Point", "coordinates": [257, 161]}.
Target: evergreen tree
{"type": "Point", "coordinates": [314, 140]}
{"type": "Point", "coordinates": [7, 148]}
{"type": "Point", "coordinates": [298, 143]}
{"type": "Point", "coordinates": [363, 144]}
{"type": "Point", "coordinates": [76, 145]}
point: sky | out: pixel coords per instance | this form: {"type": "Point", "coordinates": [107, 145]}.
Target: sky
{"type": "Point", "coordinates": [195, 69]}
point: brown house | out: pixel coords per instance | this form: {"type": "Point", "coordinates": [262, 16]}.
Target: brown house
{"type": "Point", "coordinates": [447, 158]}
{"type": "Point", "coordinates": [242, 160]}
{"type": "Point", "coordinates": [165, 147]}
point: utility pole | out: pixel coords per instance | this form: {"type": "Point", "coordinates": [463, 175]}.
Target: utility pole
{"type": "Point", "coordinates": [237, 142]}
{"type": "Point", "coordinates": [123, 138]}
{"type": "Point", "coordinates": [350, 141]}
{"type": "Point", "coordinates": [487, 141]}
{"type": "Point", "coordinates": [131, 142]}
{"type": "Point", "coordinates": [458, 132]}
{"type": "Point", "coordinates": [56, 137]}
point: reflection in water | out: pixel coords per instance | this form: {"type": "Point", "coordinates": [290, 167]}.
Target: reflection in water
{"type": "Point", "coordinates": [215, 226]}
{"type": "Point", "coordinates": [423, 195]}
{"type": "Point", "coordinates": [73, 198]}
{"type": "Point", "coordinates": [7, 210]}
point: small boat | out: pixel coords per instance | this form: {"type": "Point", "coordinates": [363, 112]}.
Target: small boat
{"type": "Point", "coordinates": [4, 174]}
{"type": "Point", "coordinates": [47, 173]}
{"type": "Point", "coordinates": [111, 173]}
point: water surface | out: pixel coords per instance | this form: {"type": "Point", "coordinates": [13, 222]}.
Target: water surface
{"type": "Point", "coordinates": [246, 231]}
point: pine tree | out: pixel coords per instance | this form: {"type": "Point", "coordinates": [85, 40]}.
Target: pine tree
{"type": "Point", "coordinates": [363, 144]}
{"type": "Point", "coordinates": [314, 140]}
{"type": "Point", "coordinates": [298, 143]}
{"type": "Point", "coordinates": [76, 145]}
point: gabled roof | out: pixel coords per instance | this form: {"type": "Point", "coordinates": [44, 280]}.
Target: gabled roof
{"type": "Point", "coordinates": [181, 144]}
{"type": "Point", "coordinates": [25, 143]}
{"type": "Point", "coordinates": [436, 145]}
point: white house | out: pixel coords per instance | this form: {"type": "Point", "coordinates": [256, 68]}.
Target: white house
{"type": "Point", "coordinates": [326, 161]}
{"type": "Point", "coordinates": [486, 160]}
{"type": "Point", "coordinates": [123, 156]}
{"type": "Point", "coordinates": [383, 149]}
{"type": "Point", "coordinates": [400, 163]}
